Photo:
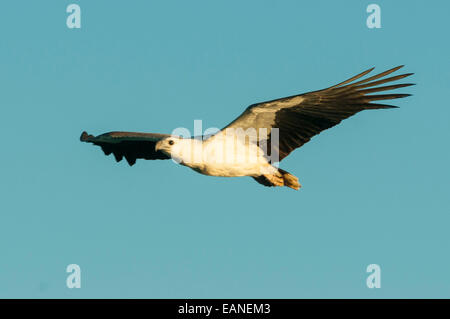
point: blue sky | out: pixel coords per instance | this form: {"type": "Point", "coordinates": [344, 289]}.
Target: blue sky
{"type": "Point", "coordinates": [375, 188]}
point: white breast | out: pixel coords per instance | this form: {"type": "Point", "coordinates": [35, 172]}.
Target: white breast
{"type": "Point", "coordinates": [225, 156]}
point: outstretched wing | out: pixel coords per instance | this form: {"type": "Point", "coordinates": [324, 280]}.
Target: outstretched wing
{"type": "Point", "coordinates": [128, 144]}
{"type": "Point", "coordinates": [300, 117]}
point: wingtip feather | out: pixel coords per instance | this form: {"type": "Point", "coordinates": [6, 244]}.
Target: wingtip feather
{"type": "Point", "coordinates": [85, 137]}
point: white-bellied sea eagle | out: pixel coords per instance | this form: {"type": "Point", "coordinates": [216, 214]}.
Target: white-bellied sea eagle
{"type": "Point", "coordinates": [265, 133]}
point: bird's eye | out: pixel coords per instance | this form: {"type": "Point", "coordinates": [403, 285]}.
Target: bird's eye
{"type": "Point", "coordinates": [171, 142]}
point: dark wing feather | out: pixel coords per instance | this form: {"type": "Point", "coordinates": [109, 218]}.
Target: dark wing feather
{"type": "Point", "coordinates": [300, 117]}
{"type": "Point", "coordinates": [130, 145]}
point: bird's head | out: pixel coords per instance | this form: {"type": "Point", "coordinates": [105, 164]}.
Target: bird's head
{"type": "Point", "coordinates": [172, 146]}
{"type": "Point", "coordinates": [181, 150]}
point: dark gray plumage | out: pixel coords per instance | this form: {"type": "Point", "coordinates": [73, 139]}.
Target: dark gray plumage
{"type": "Point", "coordinates": [130, 145]}
{"type": "Point", "coordinates": [300, 117]}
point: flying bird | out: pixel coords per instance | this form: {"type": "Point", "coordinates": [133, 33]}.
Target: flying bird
{"type": "Point", "coordinates": [264, 134]}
